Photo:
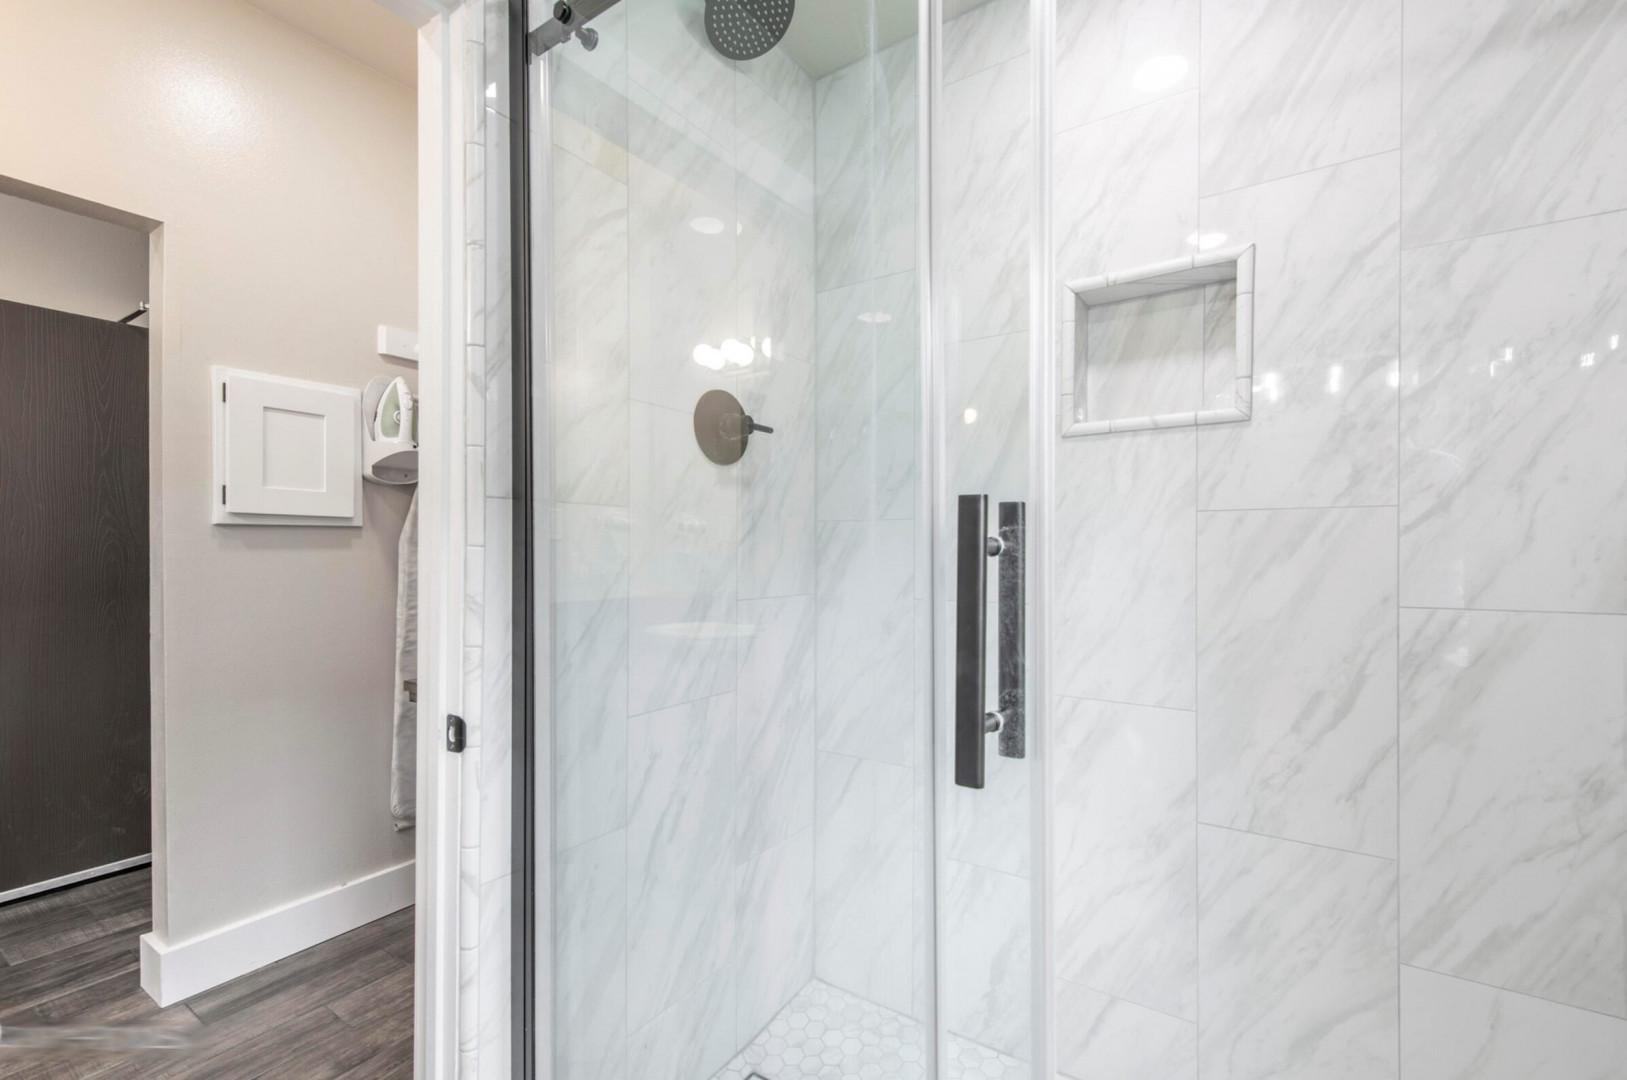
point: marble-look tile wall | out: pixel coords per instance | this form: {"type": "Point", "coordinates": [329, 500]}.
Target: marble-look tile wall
{"type": "Point", "coordinates": [485, 809]}
{"type": "Point", "coordinates": [985, 165]}
{"type": "Point", "coordinates": [870, 928]}
{"type": "Point", "coordinates": [1341, 741]}
{"type": "Point", "coordinates": [686, 617]}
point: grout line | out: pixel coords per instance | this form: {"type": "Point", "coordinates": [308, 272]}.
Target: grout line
{"type": "Point", "coordinates": [1269, 509]}
{"type": "Point", "coordinates": [1301, 843]}
{"type": "Point", "coordinates": [1129, 704]}
{"type": "Point", "coordinates": [1517, 993]}
{"type": "Point", "coordinates": [1128, 1000]}
{"type": "Point", "coordinates": [1513, 611]}
{"type": "Point", "coordinates": [1514, 229]}
{"type": "Point", "coordinates": [1303, 172]}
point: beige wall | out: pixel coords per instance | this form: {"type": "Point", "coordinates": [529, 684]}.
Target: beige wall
{"type": "Point", "coordinates": [57, 259]}
{"type": "Point", "coordinates": [282, 174]}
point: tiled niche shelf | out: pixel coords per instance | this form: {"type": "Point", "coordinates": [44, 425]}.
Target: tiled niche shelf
{"type": "Point", "coordinates": [1163, 346]}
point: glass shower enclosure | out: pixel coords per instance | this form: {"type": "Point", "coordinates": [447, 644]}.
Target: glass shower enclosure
{"type": "Point", "coordinates": [1075, 507]}
{"type": "Point", "coordinates": [782, 786]}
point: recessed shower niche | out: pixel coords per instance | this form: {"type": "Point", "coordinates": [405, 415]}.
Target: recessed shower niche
{"type": "Point", "coordinates": [1166, 345]}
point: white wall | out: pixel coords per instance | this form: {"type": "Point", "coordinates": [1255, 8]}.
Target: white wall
{"type": "Point", "coordinates": [57, 259]}
{"type": "Point", "coordinates": [282, 175]}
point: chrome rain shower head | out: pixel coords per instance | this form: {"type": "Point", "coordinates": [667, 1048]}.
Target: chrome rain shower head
{"type": "Point", "coordinates": [746, 29]}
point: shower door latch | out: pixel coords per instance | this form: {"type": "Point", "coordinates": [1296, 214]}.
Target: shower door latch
{"type": "Point", "coordinates": [973, 722]}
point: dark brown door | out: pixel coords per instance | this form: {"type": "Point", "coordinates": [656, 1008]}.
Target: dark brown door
{"type": "Point", "coordinates": [74, 728]}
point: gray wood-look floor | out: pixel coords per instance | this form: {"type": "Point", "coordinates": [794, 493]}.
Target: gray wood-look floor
{"type": "Point", "coordinates": [70, 959]}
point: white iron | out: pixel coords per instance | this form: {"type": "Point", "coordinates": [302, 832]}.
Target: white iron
{"type": "Point", "coordinates": [391, 453]}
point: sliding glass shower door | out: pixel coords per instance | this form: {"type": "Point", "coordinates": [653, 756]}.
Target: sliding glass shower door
{"type": "Point", "coordinates": [754, 422]}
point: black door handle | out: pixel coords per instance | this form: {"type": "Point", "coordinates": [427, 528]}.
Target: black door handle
{"type": "Point", "coordinates": [973, 722]}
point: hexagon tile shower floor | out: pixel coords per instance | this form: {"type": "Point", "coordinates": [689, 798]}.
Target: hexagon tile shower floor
{"type": "Point", "coordinates": [827, 1034]}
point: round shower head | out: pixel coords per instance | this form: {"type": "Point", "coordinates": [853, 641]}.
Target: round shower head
{"type": "Point", "coordinates": [746, 29]}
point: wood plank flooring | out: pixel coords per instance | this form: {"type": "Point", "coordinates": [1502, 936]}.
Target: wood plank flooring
{"type": "Point", "coordinates": [339, 1011]}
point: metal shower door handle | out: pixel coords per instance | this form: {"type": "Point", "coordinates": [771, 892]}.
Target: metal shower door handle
{"type": "Point", "coordinates": [974, 546]}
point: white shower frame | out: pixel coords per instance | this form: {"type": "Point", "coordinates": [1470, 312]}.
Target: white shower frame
{"type": "Point", "coordinates": [443, 525]}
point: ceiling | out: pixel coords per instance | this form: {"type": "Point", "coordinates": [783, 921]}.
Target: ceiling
{"type": "Point", "coordinates": [825, 34]}
{"type": "Point", "coordinates": [829, 34]}
{"type": "Point", "coordinates": [364, 30]}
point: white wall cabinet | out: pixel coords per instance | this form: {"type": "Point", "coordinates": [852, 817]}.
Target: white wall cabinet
{"type": "Point", "coordinates": [287, 451]}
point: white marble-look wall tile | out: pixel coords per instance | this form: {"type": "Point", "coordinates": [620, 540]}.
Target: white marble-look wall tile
{"type": "Point", "coordinates": [1125, 568]}
{"type": "Point", "coordinates": [682, 564]}
{"type": "Point", "coordinates": [498, 312]}
{"type": "Point", "coordinates": [774, 118]}
{"type": "Point", "coordinates": [1327, 265]}
{"type": "Point", "coordinates": [1101, 1036]}
{"type": "Point", "coordinates": [1452, 1029]}
{"type": "Point", "coordinates": [1514, 801]}
{"type": "Point", "coordinates": [1297, 950]}
{"type": "Point", "coordinates": [868, 399]}
{"type": "Point", "coordinates": [1126, 853]}
{"type": "Point", "coordinates": [474, 588]}
{"type": "Point", "coordinates": [862, 879]}
{"type": "Point", "coordinates": [1112, 55]}
{"type": "Point", "coordinates": [1296, 675]}
{"type": "Point", "coordinates": [680, 865]}
{"type": "Point", "coordinates": [775, 734]}
{"type": "Point", "coordinates": [984, 35]}
{"type": "Point", "coordinates": [1513, 114]}
{"type": "Point", "coordinates": [474, 395]}
{"type": "Point", "coordinates": [865, 150]}
{"type": "Point", "coordinates": [778, 481]}
{"type": "Point", "coordinates": [494, 36]}
{"type": "Point", "coordinates": [991, 826]}
{"type": "Point", "coordinates": [774, 275]}
{"type": "Point", "coordinates": [473, 664]}
{"type": "Point", "coordinates": [496, 933]}
{"type": "Point", "coordinates": [589, 96]}
{"type": "Point", "coordinates": [987, 418]}
{"type": "Point", "coordinates": [681, 215]}
{"type": "Point", "coordinates": [590, 960]}
{"type": "Point", "coordinates": [987, 170]}
{"type": "Point", "coordinates": [1126, 189]}
{"type": "Point", "coordinates": [866, 639]}
{"type": "Point", "coordinates": [774, 921]}
{"type": "Point", "coordinates": [589, 358]}
{"type": "Point", "coordinates": [1514, 386]}
{"type": "Point", "coordinates": [691, 1040]}
{"type": "Point", "coordinates": [1145, 356]}
{"type": "Point", "coordinates": [985, 963]}
{"type": "Point", "coordinates": [675, 74]}
{"type": "Point", "coordinates": [590, 672]}
{"type": "Point", "coordinates": [497, 692]}
{"type": "Point", "coordinates": [474, 496]}
{"type": "Point", "coordinates": [1292, 85]}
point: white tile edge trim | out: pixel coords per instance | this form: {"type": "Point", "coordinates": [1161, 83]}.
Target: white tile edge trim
{"type": "Point", "coordinates": [1243, 409]}
{"type": "Point", "coordinates": [75, 878]}
{"type": "Point", "coordinates": [172, 972]}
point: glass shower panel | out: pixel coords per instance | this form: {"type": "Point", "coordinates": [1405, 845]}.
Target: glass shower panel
{"type": "Point", "coordinates": [740, 796]}
{"type": "Point", "coordinates": [983, 169]}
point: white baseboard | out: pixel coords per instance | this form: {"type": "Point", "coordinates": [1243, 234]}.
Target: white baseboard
{"type": "Point", "coordinates": [174, 971]}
